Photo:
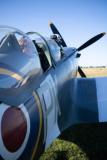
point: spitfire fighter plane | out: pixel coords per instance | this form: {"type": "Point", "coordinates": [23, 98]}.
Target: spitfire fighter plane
{"type": "Point", "coordinates": [40, 95]}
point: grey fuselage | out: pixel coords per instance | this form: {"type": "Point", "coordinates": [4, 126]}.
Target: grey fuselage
{"type": "Point", "coordinates": [48, 93]}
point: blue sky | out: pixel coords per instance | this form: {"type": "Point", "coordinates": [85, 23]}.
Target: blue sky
{"type": "Point", "coordinates": [77, 20]}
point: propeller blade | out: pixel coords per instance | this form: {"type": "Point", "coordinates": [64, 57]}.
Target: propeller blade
{"type": "Point", "coordinates": [91, 41]}
{"type": "Point", "coordinates": [55, 31]}
{"type": "Point", "coordinates": [82, 74]}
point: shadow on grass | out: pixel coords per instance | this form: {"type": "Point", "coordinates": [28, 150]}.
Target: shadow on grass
{"type": "Point", "coordinates": [91, 138]}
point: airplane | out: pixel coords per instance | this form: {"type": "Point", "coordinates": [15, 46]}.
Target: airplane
{"type": "Point", "coordinates": [40, 94]}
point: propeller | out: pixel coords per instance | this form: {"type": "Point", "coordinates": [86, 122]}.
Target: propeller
{"type": "Point", "coordinates": [82, 74]}
{"type": "Point", "coordinates": [55, 31]}
{"type": "Point", "coordinates": [86, 44]}
{"type": "Point", "coordinates": [91, 41]}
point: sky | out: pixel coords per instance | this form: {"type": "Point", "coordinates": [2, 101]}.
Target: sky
{"type": "Point", "coordinates": [77, 21]}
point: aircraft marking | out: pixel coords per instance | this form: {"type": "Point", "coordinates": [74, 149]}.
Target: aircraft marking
{"type": "Point", "coordinates": [13, 128]}
{"type": "Point", "coordinates": [40, 125]}
{"type": "Point", "coordinates": [11, 74]}
{"type": "Point", "coordinates": [4, 152]}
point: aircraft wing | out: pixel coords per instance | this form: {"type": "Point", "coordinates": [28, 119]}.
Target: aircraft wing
{"type": "Point", "coordinates": [88, 102]}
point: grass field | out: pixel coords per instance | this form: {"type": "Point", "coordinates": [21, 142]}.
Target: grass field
{"type": "Point", "coordinates": [81, 142]}
{"type": "Point", "coordinates": [95, 72]}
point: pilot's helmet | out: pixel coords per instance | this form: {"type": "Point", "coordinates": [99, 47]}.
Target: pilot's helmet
{"type": "Point", "coordinates": [26, 46]}
{"type": "Point", "coordinates": [18, 57]}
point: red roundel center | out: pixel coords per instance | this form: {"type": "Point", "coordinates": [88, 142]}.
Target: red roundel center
{"type": "Point", "coordinates": [13, 128]}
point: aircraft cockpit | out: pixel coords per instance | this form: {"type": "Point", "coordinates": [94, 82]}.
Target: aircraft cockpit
{"type": "Point", "coordinates": [48, 49]}
{"type": "Point", "coordinates": [18, 57]}
{"type": "Point", "coordinates": [21, 59]}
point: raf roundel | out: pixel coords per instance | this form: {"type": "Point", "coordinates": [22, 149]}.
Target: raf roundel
{"type": "Point", "coordinates": [15, 130]}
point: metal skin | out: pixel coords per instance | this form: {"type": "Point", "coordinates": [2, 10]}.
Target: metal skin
{"type": "Point", "coordinates": [35, 113]}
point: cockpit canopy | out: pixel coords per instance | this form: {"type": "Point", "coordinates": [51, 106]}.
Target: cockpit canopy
{"type": "Point", "coordinates": [18, 57]}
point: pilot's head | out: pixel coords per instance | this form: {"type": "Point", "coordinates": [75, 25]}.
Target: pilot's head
{"type": "Point", "coordinates": [26, 47]}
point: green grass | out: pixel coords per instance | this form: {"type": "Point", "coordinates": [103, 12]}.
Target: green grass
{"type": "Point", "coordinates": [80, 142]}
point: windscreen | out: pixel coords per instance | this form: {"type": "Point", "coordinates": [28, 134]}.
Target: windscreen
{"type": "Point", "coordinates": [18, 57]}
